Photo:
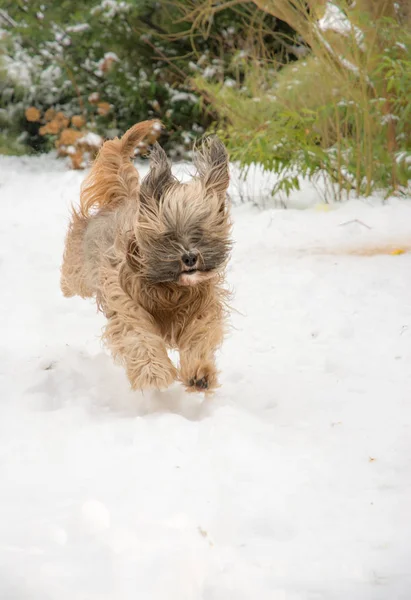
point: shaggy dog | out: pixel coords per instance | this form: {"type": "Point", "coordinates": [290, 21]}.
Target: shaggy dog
{"type": "Point", "coordinates": [153, 255]}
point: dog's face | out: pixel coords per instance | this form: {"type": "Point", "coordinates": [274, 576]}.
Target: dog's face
{"type": "Point", "coordinates": [182, 232]}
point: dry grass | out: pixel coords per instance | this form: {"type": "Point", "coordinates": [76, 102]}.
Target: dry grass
{"type": "Point", "coordinates": [337, 81]}
{"type": "Point", "coordinates": [387, 249]}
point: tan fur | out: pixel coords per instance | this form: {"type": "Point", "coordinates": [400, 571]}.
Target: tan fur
{"type": "Point", "coordinates": [126, 234]}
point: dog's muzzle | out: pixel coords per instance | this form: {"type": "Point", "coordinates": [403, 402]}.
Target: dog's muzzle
{"type": "Point", "coordinates": [195, 276]}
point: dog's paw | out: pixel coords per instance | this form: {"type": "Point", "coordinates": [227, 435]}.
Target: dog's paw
{"type": "Point", "coordinates": [153, 376]}
{"type": "Point", "coordinates": [204, 379]}
{"type": "Point", "coordinates": [200, 384]}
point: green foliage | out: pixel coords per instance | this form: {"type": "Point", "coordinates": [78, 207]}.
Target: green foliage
{"type": "Point", "coordinates": [259, 130]}
{"type": "Point", "coordinates": [318, 116]}
{"type": "Point", "coordinates": [341, 108]}
{"type": "Point", "coordinates": [10, 146]}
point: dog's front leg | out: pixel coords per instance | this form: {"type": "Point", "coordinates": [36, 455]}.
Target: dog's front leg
{"type": "Point", "coordinates": [135, 342]}
{"type": "Point", "coordinates": [197, 344]}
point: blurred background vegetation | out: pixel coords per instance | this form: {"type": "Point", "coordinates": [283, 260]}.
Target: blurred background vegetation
{"type": "Point", "coordinates": [301, 87]}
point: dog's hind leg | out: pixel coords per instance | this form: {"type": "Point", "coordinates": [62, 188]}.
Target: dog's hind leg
{"type": "Point", "coordinates": [73, 275]}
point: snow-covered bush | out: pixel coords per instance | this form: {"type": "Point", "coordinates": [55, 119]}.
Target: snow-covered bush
{"type": "Point", "coordinates": [116, 62]}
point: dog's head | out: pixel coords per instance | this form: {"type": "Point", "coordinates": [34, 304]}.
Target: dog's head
{"type": "Point", "coordinates": [182, 229]}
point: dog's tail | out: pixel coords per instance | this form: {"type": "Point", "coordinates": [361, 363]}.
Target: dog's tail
{"type": "Point", "coordinates": [113, 178]}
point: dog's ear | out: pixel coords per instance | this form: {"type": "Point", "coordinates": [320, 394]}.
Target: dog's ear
{"type": "Point", "coordinates": [159, 177]}
{"type": "Point", "coordinates": [212, 166]}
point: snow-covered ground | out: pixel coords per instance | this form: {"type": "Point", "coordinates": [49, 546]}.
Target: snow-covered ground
{"type": "Point", "coordinates": [293, 483]}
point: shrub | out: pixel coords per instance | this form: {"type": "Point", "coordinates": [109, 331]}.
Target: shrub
{"type": "Point", "coordinates": [343, 109]}
{"type": "Point", "coordinates": [116, 62]}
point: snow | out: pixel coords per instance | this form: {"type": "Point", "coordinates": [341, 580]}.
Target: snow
{"type": "Point", "coordinates": [230, 83]}
{"type": "Point", "coordinates": [209, 72]}
{"type": "Point", "coordinates": [94, 97]}
{"type": "Point", "coordinates": [403, 157]}
{"type": "Point", "coordinates": [389, 118]}
{"type": "Point", "coordinates": [19, 68]}
{"type": "Point", "coordinates": [182, 97]}
{"type": "Point", "coordinates": [78, 28]}
{"type": "Point", "coordinates": [335, 19]}
{"type": "Point", "coordinates": [50, 75]}
{"type": "Point", "coordinates": [111, 56]}
{"type": "Point", "coordinates": [91, 139]}
{"type": "Point", "coordinates": [293, 483]}
{"type": "Point", "coordinates": [110, 8]}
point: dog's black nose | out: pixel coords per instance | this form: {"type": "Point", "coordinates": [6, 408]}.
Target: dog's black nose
{"type": "Point", "coordinates": [189, 259]}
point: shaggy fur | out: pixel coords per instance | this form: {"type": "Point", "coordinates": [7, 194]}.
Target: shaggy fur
{"type": "Point", "coordinates": [153, 256]}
